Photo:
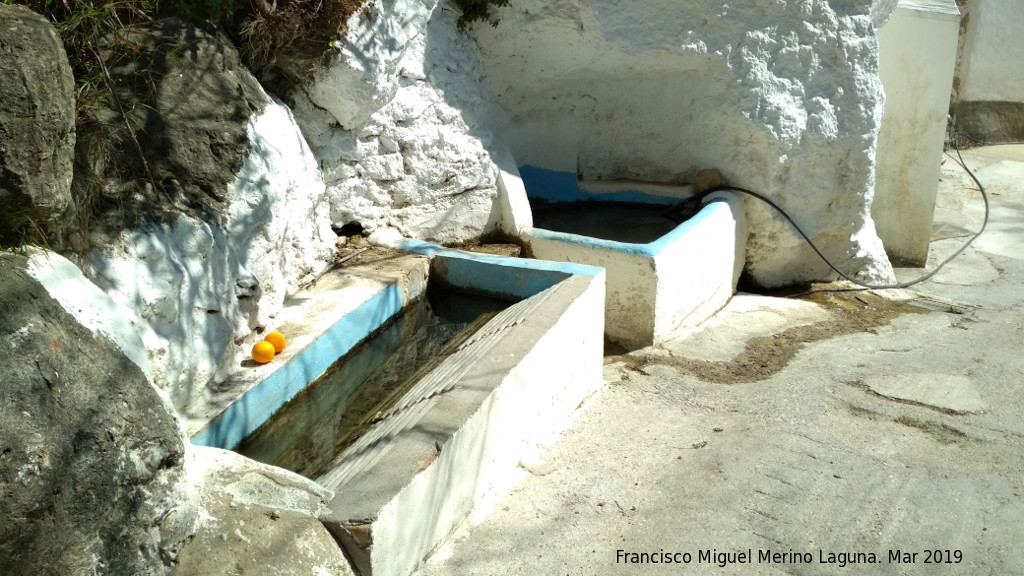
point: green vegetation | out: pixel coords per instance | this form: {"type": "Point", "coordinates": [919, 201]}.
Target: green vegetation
{"type": "Point", "coordinates": [24, 230]}
{"type": "Point", "coordinates": [478, 11]}
{"type": "Point", "coordinates": [273, 36]}
{"type": "Point", "coordinates": [209, 13]}
{"type": "Point", "coordinates": [281, 41]}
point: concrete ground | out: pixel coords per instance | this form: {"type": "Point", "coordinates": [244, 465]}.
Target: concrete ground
{"type": "Point", "coordinates": [838, 429]}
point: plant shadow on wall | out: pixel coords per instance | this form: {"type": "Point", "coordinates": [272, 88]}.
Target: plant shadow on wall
{"type": "Point", "coordinates": [194, 198]}
{"type": "Point", "coordinates": [479, 11]}
{"type": "Point", "coordinates": [123, 55]}
{"type": "Point", "coordinates": [125, 172]}
{"type": "Point", "coordinates": [170, 135]}
{"type": "Point", "coordinates": [117, 179]}
{"type": "Point", "coordinates": [163, 111]}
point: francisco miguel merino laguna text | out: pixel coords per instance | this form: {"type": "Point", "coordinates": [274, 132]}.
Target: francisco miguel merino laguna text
{"type": "Point", "coordinates": [723, 559]}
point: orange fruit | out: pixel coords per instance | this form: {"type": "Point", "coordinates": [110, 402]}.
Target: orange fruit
{"type": "Point", "coordinates": [263, 352]}
{"type": "Point", "coordinates": [277, 339]}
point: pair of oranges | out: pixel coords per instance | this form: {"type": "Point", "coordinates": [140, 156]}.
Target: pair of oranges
{"type": "Point", "coordinates": [264, 351]}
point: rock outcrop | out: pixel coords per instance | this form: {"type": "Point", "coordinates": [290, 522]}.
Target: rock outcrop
{"type": "Point", "coordinates": [400, 128]}
{"type": "Point", "coordinates": [782, 97]}
{"type": "Point", "coordinates": [241, 219]}
{"type": "Point", "coordinates": [191, 97]}
{"type": "Point", "coordinates": [90, 453]}
{"type": "Point", "coordinates": [95, 475]}
{"type": "Point", "coordinates": [37, 121]}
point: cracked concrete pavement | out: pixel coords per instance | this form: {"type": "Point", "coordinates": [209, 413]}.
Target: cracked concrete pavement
{"type": "Point", "coordinates": [834, 440]}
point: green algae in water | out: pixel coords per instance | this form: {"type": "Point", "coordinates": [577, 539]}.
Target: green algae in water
{"type": "Point", "coordinates": [308, 433]}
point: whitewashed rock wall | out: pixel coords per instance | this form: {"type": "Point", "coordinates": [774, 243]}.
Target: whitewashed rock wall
{"type": "Point", "coordinates": [881, 11]}
{"type": "Point", "coordinates": [988, 94]}
{"type": "Point", "coordinates": [782, 96]}
{"type": "Point", "coordinates": [991, 40]}
{"type": "Point", "coordinates": [199, 289]}
{"type": "Point", "coordinates": [400, 127]}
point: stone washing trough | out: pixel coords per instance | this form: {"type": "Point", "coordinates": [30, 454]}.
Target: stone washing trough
{"type": "Point", "coordinates": [451, 442]}
{"type": "Point", "coordinates": [662, 277]}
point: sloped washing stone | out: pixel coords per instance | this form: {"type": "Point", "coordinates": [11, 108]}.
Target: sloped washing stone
{"type": "Point", "coordinates": [453, 441]}
{"type": "Point", "coordinates": [324, 323]}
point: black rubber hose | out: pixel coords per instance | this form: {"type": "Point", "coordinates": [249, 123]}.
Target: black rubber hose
{"type": "Point", "coordinates": [777, 208]}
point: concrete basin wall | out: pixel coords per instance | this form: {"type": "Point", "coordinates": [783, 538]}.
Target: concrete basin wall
{"type": "Point", "coordinates": [655, 290]}
{"type": "Point", "coordinates": [631, 286]}
{"type": "Point", "coordinates": [454, 441]}
{"type": "Point", "coordinates": [698, 265]}
{"type": "Point", "coordinates": [533, 402]}
{"type": "Point", "coordinates": [988, 93]}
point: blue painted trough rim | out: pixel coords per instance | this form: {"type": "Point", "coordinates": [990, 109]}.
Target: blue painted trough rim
{"type": "Point", "coordinates": [559, 187]}
{"type": "Point", "coordinates": [515, 278]}
{"type": "Point", "coordinates": [649, 250]}
{"type": "Point", "coordinates": [260, 402]}
{"type": "Point", "coordinates": [499, 276]}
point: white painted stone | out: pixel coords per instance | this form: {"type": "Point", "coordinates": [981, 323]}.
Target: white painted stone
{"type": "Point", "coordinates": [252, 484]}
{"type": "Point", "coordinates": [386, 168]}
{"type": "Point", "coordinates": [783, 98]}
{"type": "Point", "coordinates": [516, 215]}
{"type": "Point", "coordinates": [364, 76]}
{"type": "Point", "coordinates": [199, 290]}
{"type": "Point", "coordinates": [385, 237]}
{"type": "Point", "coordinates": [989, 69]}
{"type": "Point", "coordinates": [917, 59]}
{"type": "Point", "coordinates": [881, 11]}
{"type": "Point", "coordinates": [88, 304]}
{"type": "Point", "coordinates": [244, 517]}
{"type": "Point", "coordinates": [416, 156]}
{"type": "Point", "coordinates": [388, 144]}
